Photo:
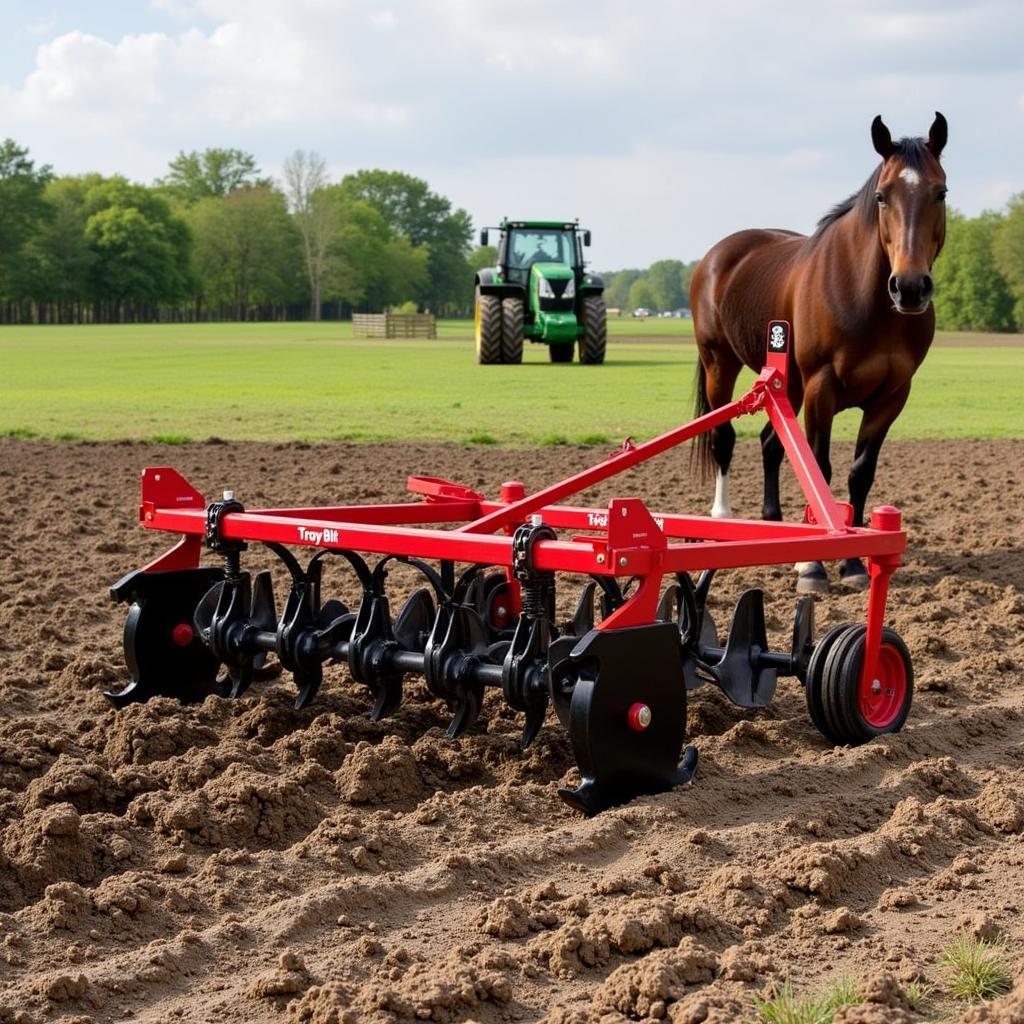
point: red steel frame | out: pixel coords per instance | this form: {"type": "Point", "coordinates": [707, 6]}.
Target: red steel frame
{"type": "Point", "coordinates": [623, 540]}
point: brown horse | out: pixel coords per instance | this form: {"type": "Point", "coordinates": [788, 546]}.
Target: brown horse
{"type": "Point", "coordinates": [858, 293]}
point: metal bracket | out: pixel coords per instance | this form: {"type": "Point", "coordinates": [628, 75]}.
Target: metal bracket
{"type": "Point", "coordinates": [212, 534]}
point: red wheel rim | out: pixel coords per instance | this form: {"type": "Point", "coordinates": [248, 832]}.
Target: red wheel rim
{"type": "Point", "coordinates": [881, 699]}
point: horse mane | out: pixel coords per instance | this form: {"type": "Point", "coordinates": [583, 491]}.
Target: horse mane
{"type": "Point", "coordinates": [913, 154]}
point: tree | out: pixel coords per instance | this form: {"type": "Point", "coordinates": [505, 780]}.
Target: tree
{"type": "Point", "coordinates": [369, 265]}
{"type": "Point", "coordinates": [58, 257]}
{"type": "Point", "coordinates": [970, 293]}
{"type": "Point", "coordinates": [1008, 250]}
{"type": "Point", "coordinates": [213, 172]}
{"type": "Point", "coordinates": [685, 277]}
{"type": "Point", "coordinates": [617, 285]}
{"type": "Point", "coordinates": [426, 219]}
{"type": "Point", "coordinates": [666, 283]}
{"type": "Point", "coordinates": [641, 296]}
{"type": "Point", "coordinates": [483, 256]}
{"type": "Point", "coordinates": [246, 250]}
{"type": "Point", "coordinates": [22, 207]}
{"type": "Point", "coordinates": [142, 252]}
{"type": "Point", "coordinates": [305, 176]}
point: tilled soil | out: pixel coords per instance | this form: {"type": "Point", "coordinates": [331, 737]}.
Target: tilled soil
{"type": "Point", "coordinates": [243, 861]}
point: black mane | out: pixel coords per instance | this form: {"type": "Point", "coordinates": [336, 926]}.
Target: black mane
{"type": "Point", "coordinates": [911, 151]}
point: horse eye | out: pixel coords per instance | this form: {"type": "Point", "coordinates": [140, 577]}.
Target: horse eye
{"type": "Point", "coordinates": [880, 199]}
{"type": "Point", "coordinates": [941, 196]}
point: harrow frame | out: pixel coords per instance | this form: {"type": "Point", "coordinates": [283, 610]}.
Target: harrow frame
{"type": "Point", "coordinates": [516, 534]}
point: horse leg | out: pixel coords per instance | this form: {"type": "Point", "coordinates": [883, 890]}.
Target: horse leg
{"type": "Point", "coordinates": [772, 454]}
{"type": "Point", "coordinates": [819, 410]}
{"type": "Point", "coordinates": [874, 426]}
{"type": "Point", "coordinates": [721, 378]}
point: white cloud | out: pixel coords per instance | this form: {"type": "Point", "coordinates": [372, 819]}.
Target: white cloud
{"type": "Point", "coordinates": [664, 125]}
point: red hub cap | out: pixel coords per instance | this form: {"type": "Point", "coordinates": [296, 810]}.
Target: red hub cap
{"type": "Point", "coordinates": [881, 699]}
{"type": "Point", "coordinates": [639, 717]}
{"type": "Point", "coordinates": [183, 634]}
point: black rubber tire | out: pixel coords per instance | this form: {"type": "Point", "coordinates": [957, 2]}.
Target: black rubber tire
{"type": "Point", "coordinates": [512, 330]}
{"type": "Point", "coordinates": [842, 681]}
{"type": "Point", "coordinates": [487, 317]}
{"type": "Point", "coordinates": [595, 330]}
{"type": "Point", "coordinates": [561, 353]}
{"type": "Point", "coordinates": [814, 684]}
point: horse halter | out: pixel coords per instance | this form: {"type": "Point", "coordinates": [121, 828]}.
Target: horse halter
{"type": "Point", "coordinates": [910, 195]}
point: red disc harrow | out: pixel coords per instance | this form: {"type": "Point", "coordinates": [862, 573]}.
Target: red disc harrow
{"type": "Point", "coordinates": [617, 675]}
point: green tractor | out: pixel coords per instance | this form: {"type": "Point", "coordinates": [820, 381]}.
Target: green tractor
{"type": "Point", "coordinates": [541, 291]}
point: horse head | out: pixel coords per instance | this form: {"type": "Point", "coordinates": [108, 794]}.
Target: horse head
{"type": "Point", "coordinates": [910, 193]}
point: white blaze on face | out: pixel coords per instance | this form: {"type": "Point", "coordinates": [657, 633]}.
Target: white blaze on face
{"type": "Point", "coordinates": [910, 176]}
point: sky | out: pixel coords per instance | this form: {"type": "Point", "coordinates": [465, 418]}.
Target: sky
{"type": "Point", "coordinates": [662, 125]}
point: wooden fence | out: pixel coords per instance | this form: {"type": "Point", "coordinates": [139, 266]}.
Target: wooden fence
{"type": "Point", "coordinates": [394, 325]}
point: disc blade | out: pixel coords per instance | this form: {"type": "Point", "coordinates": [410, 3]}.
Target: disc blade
{"type": "Point", "coordinates": [263, 613]}
{"type": "Point", "coordinates": [202, 618]}
{"type": "Point", "coordinates": [308, 684]}
{"type": "Point", "coordinates": [414, 620]}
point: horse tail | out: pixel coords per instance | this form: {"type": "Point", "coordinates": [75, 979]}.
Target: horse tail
{"type": "Point", "coordinates": [701, 456]}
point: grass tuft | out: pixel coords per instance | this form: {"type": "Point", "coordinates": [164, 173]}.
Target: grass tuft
{"type": "Point", "coordinates": [171, 439]}
{"type": "Point", "coordinates": [481, 437]}
{"type": "Point", "coordinates": [976, 969]}
{"type": "Point", "coordinates": [22, 433]}
{"type": "Point", "coordinates": [68, 435]}
{"type": "Point", "coordinates": [918, 993]}
{"type": "Point", "coordinates": [785, 1007]}
{"type": "Point", "coordinates": [552, 439]}
{"type": "Point", "coordinates": [594, 439]}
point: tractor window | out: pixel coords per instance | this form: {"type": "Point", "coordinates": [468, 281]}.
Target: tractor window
{"type": "Point", "coordinates": [541, 246]}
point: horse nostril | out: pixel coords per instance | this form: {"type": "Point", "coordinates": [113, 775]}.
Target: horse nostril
{"type": "Point", "coordinates": [894, 286]}
{"type": "Point", "coordinates": [927, 287]}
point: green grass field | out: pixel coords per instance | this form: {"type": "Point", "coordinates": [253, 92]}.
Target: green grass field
{"type": "Point", "coordinates": [315, 382]}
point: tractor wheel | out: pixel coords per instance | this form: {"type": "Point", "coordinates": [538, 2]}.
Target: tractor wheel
{"type": "Point", "coordinates": [857, 713]}
{"type": "Point", "coordinates": [560, 353]}
{"type": "Point", "coordinates": [595, 330]}
{"type": "Point", "coordinates": [487, 322]}
{"type": "Point", "coordinates": [512, 330]}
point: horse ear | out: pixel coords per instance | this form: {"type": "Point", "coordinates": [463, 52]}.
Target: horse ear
{"type": "Point", "coordinates": [881, 138]}
{"type": "Point", "coordinates": [937, 135]}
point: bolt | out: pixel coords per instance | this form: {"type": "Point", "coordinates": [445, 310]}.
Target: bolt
{"type": "Point", "coordinates": [502, 611]}
{"type": "Point", "coordinates": [876, 687]}
{"type": "Point", "coordinates": [600, 559]}
{"type": "Point", "coordinates": [229, 495]}
{"type": "Point", "coordinates": [625, 511]}
{"type": "Point", "coordinates": [536, 519]}
{"type": "Point", "coordinates": [623, 561]}
{"type": "Point", "coordinates": [182, 634]}
{"type": "Point", "coordinates": [639, 717]}
{"type": "Point", "coordinates": [777, 384]}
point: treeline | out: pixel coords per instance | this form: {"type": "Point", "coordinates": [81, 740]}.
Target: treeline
{"type": "Point", "coordinates": [214, 239]}
{"type": "Point", "coordinates": [979, 278]}
{"type": "Point", "coordinates": [664, 286]}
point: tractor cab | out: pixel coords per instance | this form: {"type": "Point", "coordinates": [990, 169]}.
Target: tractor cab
{"type": "Point", "coordinates": [523, 245]}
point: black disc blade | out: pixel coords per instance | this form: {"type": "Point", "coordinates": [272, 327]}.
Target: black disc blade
{"type": "Point", "coordinates": [415, 619]}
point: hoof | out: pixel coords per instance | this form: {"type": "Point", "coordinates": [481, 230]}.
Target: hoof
{"type": "Point", "coordinates": [853, 575]}
{"type": "Point", "coordinates": [812, 580]}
